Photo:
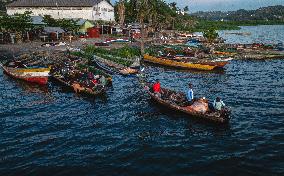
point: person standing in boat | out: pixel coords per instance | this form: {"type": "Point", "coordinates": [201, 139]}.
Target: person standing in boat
{"type": "Point", "coordinates": [189, 95]}
{"type": "Point", "coordinates": [157, 88]}
{"type": "Point", "coordinates": [218, 104]}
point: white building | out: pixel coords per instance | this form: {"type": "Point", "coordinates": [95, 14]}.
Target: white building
{"type": "Point", "coordinates": [58, 9]}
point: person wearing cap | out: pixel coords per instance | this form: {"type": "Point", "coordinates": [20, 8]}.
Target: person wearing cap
{"type": "Point", "coordinates": [157, 88]}
{"type": "Point", "coordinates": [218, 104]}
{"type": "Point", "coordinates": [189, 95]}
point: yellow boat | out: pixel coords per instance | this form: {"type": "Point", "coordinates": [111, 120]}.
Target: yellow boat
{"type": "Point", "coordinates": [178, 64]}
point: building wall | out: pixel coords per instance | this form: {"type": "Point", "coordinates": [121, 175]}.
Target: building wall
{"type": "Point", "coordinates": [102, 11]}
{"type": "Point", "coordinates": [57, 13]}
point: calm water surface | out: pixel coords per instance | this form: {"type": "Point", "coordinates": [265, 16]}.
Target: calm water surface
{"type": "Point", "coordinates": [51, 131]}
{"type": "Point", "coordinates": [269, 34]}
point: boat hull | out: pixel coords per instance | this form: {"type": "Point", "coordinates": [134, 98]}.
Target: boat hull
{"type": "Point", "coordinates": [80, 90]}
{"type": "Point", "coordinates": [178, 64]}
{"type": "Point", "coordinates": [113, 68]}
{"type": "Point", "coordinates": [218, 64]}
{"type": "Point", "coordinates": [33, 75]}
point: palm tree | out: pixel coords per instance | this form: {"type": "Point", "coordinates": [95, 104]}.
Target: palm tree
{"type": "Point", "coordinates": [210, 34]}
{"type": "Point", "coordinates": [144, 8]}
{"type": "Point", "coordinates": [186, 9]}
{"type": "Point", "coordinates": [173, 5]}
{"type": "Point", "coordinates": [121, 12]}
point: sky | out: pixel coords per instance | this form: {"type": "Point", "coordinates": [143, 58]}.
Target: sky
{"type": "Point", "coordinates": [224, 5]}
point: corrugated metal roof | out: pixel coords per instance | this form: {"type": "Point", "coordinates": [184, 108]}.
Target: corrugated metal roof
{"type": "Point", "coordinates": [37, 20]}
{"type": "Point", "coordinates": [53, 29]}
{"type": "Point", "coordinates": [80, 22]}
{"type": "Point", "coordinates": [55, 3]}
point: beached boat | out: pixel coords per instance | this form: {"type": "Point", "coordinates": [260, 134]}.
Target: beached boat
{"type": "Point", "coordinates": [112, 67]}
{"type": "Point", "coordinates": [224, 53]}
{"type": "Point", "coordinates": [218, 62]}
{"type": "Point", "coordinates": [182, 64]}
{"type": "Point", "coordinates": [220, 117]}
{"type": "Point", "coordinates": [33, 75]}
{"type": "Point", "coordinates": [117, 40]}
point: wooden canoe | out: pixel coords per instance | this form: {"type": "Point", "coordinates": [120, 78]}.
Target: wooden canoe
{"type": "Point", "coordinates": [112, 67]}
{"type": "Point", "coordinates": [179, 64]}
{"type": "Point", "coordinates": [211, 116]}
{"type": "Point", "coordinates": [77, 88]}
{"type": "Point", "coordinates": [33, 75]}
{"type": "Point", "coordinates": [218, 64]}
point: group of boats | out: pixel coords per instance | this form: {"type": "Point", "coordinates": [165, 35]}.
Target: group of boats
{"type": "Point", "coordinates": [184, 57]}
{"type": "Point", "coordinates": [94, 77]}
{"type": "Point", "coordinates": [74, 72]}
{"type": "Point", "coordinates": [71, 71]}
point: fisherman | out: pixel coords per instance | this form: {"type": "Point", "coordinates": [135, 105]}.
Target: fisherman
{"type": "Point", "coordinates": [218, 104]}
{"type": "Point", "coordinates": [102, 80]}
{"type": "Point", "coordinates": [95, 80]}
{"type": "Point", "coordinates": [189, 95]}
{"type": "Point", "coordinates": [157, 88]}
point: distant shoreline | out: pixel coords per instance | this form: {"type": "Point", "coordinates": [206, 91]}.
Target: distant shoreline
{"type": "Point", "coordinates": [231, 25]}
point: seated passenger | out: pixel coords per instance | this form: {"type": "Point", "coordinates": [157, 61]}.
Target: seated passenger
{"type": "Point", "coordinates": [218, 104]}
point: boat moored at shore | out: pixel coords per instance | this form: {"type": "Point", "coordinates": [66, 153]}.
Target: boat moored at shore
{"type": "Point", "coordinates": [32, 75]}
{"type": "Point", "coordinates": [206, 66]}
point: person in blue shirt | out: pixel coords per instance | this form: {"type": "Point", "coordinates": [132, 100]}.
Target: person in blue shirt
{"type": "Point", "coordinates": [189, 94]}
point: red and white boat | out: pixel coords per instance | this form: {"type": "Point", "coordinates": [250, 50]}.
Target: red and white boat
{"type": "Point", "coordinates": [33, 75]}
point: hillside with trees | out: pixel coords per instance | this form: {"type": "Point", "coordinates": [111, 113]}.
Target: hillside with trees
{"type": "Point", "coordinates": [271, 13]}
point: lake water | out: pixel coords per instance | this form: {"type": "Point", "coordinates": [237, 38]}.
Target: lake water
{"type": "Point", "coordinates": [268, 34]}
{"type": "Point", "coordinates": [51, 131]}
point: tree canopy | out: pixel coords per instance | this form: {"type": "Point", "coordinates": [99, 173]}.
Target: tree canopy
{"type": "Point", "coordinates": [158, 13]}
{"type": "Point", "coordinates": [210, 34]}
{"type": "Point", "coordinates": [66, 24]}
{"type": "Point", "coordinates": [16, 23]}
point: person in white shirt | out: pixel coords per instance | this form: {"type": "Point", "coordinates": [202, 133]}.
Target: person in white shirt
{"type": "Point", "coordinates": [218, 104]}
